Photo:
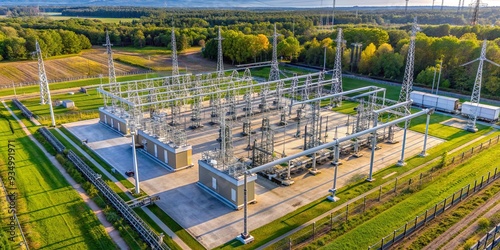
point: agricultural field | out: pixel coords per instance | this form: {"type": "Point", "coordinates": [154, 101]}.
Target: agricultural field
{"type": "Point", "coordinates": [89, 63]}
{"type": "Point", "coordinates": [94, 62]}
{"type": "Point", "coordinates": [52, 214]}
{"type": "Point", "coordinates": [58, 16]}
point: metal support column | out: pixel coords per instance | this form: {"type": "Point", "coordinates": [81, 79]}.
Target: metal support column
{"type": "Point", "coordinates": [136, 168]}
{"type": "Point", "coordinates": [374, 146]}
{"type": "Point", "coordinates": [401, 161]}
{"type": "Point", "coordinates": [424, 153]}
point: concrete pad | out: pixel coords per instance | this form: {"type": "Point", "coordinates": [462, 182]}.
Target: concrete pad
{"type": "Point", "coordinates": [209, 220]}
{"type": "Point", "coordinates": [455, 122]}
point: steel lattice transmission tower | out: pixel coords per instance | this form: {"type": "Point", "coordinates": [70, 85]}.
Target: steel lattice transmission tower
{"type": "Point", "coordinates": [337, 70]}
{"type": "Point", "coordinates": [476, 92]}
{"type": "Point", "coordinates": [44, 83]}
{"type": "Point", "coordinates": [410, 62]}
{"type": "Point", "coordinates": [220, 59]}
{"type": "Point", "coordinates": [175, 62]}
{"type": "Point", "coordinates": [114, 87]}
{"type": "Point", "coordinates": [274, 74]}
{"type": "Point", "coordinates": [475, 14]}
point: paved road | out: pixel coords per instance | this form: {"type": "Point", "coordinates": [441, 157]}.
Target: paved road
{"type": "Point", "coordinates": [124, 189]}
{"type": "Point", "coordinates": [113, 233]}
{"type": "Point", "coordinates": [457, 235]}
{"type": "Point", "coordinates": [288, 234]}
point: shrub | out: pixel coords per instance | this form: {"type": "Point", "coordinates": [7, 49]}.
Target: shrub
{"type": "Point", "coordinates": [483, 223]}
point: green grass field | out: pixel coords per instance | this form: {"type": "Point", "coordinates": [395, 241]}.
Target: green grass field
{"type": "Point", "coordinates": [51, 211]}
{"type": "Point", "coordinates": [373, 230]}
{"type": "Point", "coordinates": [154, 50]}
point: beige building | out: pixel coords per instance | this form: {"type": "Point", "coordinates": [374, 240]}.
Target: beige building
{"type": "Point", "coordinates": [173, 156]}
{"type": "Point", "coordinates": [107, 117]}
{"type": "Point", "coordinates": [226, 188]}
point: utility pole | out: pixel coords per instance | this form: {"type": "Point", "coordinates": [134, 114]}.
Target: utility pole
{"type": "Point", "coordinates": [274, 74]}
{"type": "Point", "coordinates": [220, 59]}
{"type": "Point", "coordinates": [333, 14]}
{"type": "Point", "coordinates": [439, 76]}
{"type": "Point", "coordinates": [476, 92]}
{"type": "Point", "coordinates": [175, 62]}
{"type": "Point", "coordinates": [114, 86]}
{"type": "Point", "coordinates": [44, 84]}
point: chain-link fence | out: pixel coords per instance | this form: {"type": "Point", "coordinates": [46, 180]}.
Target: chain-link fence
{"type": "Point", "coordinates": [341, 215]}
{"type": "Point", "coordinates": [431, 213]}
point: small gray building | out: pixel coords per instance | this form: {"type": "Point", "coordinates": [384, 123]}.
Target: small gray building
{"type": "Point", "coordinates": [112, 119]}
{"type": "Point", "coordinates": [68, 104]}
{"type": "Point", "coordinates": [173, 156]}
{"type": "Point", "coordinates": [228, 188]}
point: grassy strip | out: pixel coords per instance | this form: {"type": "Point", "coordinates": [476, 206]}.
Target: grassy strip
{"type": "Point", "coordinates": [174, 226]}
{"type": "Point", "coordinates": [126, 232]}
{"type": "Point", "coordinates": [108, 181]}
{"type": "Point", "coordinates": [157, 229]}
{"type": "Point", "coordinates": [387, 220]}
{"type": "Point", "coordinates": [52, 213]}
{"type": "Point", "coordinates": [98, 159]}
{"type": "Point", "coordinates": [136, 61]}
{"type": "Point", "coordinates": [314, 209]}
{"type": "Point", "coordinates": [484, 226]}
{"type": "Point", "coordinates": [450, 218]}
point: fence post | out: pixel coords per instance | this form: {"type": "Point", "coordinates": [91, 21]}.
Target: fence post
{"type": "Point", "coordinates": [435, 210]}
{"type": "Point", "coordinates": [406, 226]}
{"type": "Point", "coordinates": [444, 205]}
{"type": "Point", "coordinates": [420, 179]}
{"type": "Point", "coordinates": [488, 179]}
{"type": "Point", "coordinates": [453, 160]}
{"type": "Point", "coordinates": [495, 174]}
{"type": "Point", "coordinates": [475, 184]}
{"type": "Point", "coordinates": [409, 182]}
{"type": "Point", "coordinates": [425, 220]}
{"type": "Point", "coordinates": [416, 218]}
{"type": "Point", "coordinates": [393, 236]}
{"type": "Point", "coordinates": [380, 191]}
{"type": "Point", "coordinates": [314, 231]}
{"type": "Point", "coordinates": [463, 155]}
{"type": "Point", "coordinates": [395, 185]}
{"type": "Point", "coordinates": [468, 188]}
{"type": "Point", "coordinates": [382, 244]}
{"type": "Point", "coordinates": [452, 199]}
{"type": "Point", "coordinates": [481, 185]}
{"type": "Point", "coordinates": [346, 212]}
{"type": "Point", "coordinates": [331, 221]}
{"type": "Point", "coordinates": [290, 243]}
{"type": "Point", "coordinates": [481, 147]}
{"type": "Point", "coordinates": [461, 192]}
{"type": "Point", "coordinates": [472, 151]}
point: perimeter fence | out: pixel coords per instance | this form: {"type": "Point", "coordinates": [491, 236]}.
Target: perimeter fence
{"type": "Point", "coordinates": [353, 209]}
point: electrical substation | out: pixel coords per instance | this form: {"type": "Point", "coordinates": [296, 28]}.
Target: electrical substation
{"type": "Point", "coordinates": [210, 144]}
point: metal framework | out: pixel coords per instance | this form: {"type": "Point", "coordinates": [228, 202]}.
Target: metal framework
{"type": "Point", "coordinates": [337, 70]}
{"type": "Point", "coordinates": [44, 83]}
{"type": "Point", "coordinates": [175, 62]}
{"type": "Point", "coordinates": [476, 91]}
{"type": "Point", "coordinates": [220, 58]}
{"type": "Point", "coordinates": [274, 74]}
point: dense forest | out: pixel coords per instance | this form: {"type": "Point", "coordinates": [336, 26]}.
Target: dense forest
{"type": "Point", "coordinates": [247, 39]}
